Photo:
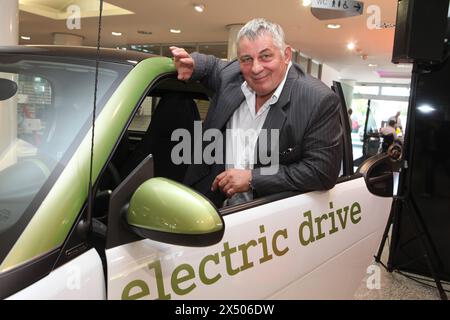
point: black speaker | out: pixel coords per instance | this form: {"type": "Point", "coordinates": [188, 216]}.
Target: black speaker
{"type": "Point", "coordinates": [421, 30]}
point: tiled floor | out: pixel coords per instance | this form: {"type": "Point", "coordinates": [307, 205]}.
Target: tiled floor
{"type": "Point", "coordinates": [395, 286]}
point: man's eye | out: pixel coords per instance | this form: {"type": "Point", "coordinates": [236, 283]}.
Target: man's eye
{"type": "Point", "coordinates": [265, 57]}
{"type": "Point", "coordinates": [246, 60]}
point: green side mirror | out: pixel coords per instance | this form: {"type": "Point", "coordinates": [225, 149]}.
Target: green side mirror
{"type": "Point", "coordinates": [167, 211]}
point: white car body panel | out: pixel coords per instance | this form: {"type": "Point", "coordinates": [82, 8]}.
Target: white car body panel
{"type": "Point", "coordinates": [316, 284]}
{"type": "Point", "coordinates": [80, 279]}
{"type": "Point", "coordinates": [342, 255]}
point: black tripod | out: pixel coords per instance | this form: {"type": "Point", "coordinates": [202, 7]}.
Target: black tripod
{"type": "Point", "coordinates": [430, 255]}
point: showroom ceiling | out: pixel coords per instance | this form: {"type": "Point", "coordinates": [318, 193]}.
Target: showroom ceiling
{"type": "Point", "coordinates": [369, 61]}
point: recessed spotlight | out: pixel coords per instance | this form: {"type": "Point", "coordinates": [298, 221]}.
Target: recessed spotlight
{"type": "Point", "coordinates": [351, 46]}
{"type": "Point", "coordinates": [25, 38]}
{"type": "Point", "coordinates": [199, 7]}
{"type": "Point", "coordinates": [117, 34]}
{"type": "Point", "coordinates": [175, 30]}
{"type": "Point", "coordinates": [306, 3]}
{"type": "Point", "coordinates": [333, 26]}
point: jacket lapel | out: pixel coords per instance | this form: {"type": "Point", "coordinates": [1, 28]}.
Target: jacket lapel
{"type": "Point", "coordinates": [276, 117]}
{"type": "Point", "coordinates": [227, 103]}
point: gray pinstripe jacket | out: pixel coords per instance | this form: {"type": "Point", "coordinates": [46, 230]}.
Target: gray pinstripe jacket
{"type": "Point", "coordinates": [307, 115]}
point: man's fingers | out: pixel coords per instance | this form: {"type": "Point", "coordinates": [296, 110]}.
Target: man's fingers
{"type": "Point", "coordinates": [182, 75]}
{"type": "Point", "coordinates": [225, 188]}
{"type": "Point", "coordinates": [224, 181]}
{"type": "Point", "coordinates": [187, 61]}
{"type": "Point", "coordinates": [228, 191]}
{"type": "Point", "coordinates": [180, 54]}
{"type": "Point", "coordinates": [215, 183]}
{"type": "Point", "coordinates": [217, 180]}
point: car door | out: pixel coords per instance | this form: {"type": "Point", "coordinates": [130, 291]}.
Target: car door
{"type": "Point", "coordinates": [287, 245]}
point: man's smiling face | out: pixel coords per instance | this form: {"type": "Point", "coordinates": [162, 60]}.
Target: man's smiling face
{"type": "Point", "coordinates": [262, 63]}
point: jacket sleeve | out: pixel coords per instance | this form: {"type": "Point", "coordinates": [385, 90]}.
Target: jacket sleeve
{"type": "Point", "coordinates": [318, 164]}
{"type": "Point", "coordinates": [207, 70]}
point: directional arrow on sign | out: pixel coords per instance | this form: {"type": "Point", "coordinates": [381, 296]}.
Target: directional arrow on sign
{"type": "Point", "coordinates": [335, 9]}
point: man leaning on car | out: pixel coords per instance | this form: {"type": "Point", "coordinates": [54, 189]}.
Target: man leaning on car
{"type": "Point", "coordinates": [263, 89]}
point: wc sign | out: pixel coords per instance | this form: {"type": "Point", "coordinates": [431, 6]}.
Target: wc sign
{"type": "Point", "coordinates": [341, 5]}
{"type": "Point", "coordinates": [73, 20]}
{"type": "Point", "coordinates": [333, 9]}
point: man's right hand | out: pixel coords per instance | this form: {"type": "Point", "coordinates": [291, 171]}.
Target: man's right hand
{"type": "Point", "coordinates": [183, 62]}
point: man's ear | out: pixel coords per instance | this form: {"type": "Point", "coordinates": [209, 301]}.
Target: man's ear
{"type": "Point", "coordinates": [287, 54]}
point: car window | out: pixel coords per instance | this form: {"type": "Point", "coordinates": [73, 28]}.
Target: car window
{"type": "Point", "coordinates": [160, 114]}
{"type": "Point", "coordinates": [371, 127]}
{"type": "Point", "coordinates": [143, 116]}
{"type": "Point", "coordinates": [41, 127]}
{"type": "Point", "coordinates": [203, 106]}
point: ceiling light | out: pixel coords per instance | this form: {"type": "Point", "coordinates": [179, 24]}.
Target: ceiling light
{"type": "Point", "coordinates": [333, 26]}
{"type": "Point", "coordinates": [199, 7]}
{"type": "Point", "coordinates": [306, 3]}
{"type": "Point", "coordinates": [25, 38]}
{"type": "Point", "coordinates": [372, 65]}
{"type": "Point", "coordinates": [351, 46]}
{"type": "Point", "coordinates": [117, 34]}
{"type": "Point", "coordinates": [175, 30]}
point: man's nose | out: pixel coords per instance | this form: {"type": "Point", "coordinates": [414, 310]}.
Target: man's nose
{"type": "Point", "coordinates": [257, 66]}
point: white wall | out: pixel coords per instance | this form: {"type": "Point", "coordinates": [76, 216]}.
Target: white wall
{"type": "Point", "coordinates": [9, 35]}
{"type": "Point", "coordinates": [329, 75]}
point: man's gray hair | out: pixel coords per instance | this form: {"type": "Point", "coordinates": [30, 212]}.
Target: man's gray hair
{"type": "Point", "coordinates": [258, 27]}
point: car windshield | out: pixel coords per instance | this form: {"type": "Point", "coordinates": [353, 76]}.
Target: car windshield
{"type": "Point", "coordinates": [46, 108]}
